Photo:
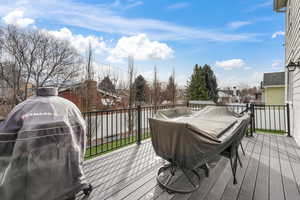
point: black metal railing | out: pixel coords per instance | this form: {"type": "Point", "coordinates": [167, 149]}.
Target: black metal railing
{"type": "Point", "coordinates": [108, 130]}
{"type": "Point", "coordinates": [271, 118]}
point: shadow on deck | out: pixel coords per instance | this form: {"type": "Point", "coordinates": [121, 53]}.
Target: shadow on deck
{"type": "Point", "coordinates": [271, 170]}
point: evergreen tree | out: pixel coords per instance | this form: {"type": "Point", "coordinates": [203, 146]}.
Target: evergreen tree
{"type": "Point", "coordinates": [211, 83]}
{"type": "Point", "coordinates": [196, 88]}
{"type": "Point", "coordinates": [170, 92]}
{"type": "Point", "coordinates": [140, 86]}
{"type": "Point", "coordinates": [107, 85]}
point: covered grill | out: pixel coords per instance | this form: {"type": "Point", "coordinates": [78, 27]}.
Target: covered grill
{"type": "Point", "coordinates": [189, 139]}
{"type": "Point", "coordinates": [42, 145]}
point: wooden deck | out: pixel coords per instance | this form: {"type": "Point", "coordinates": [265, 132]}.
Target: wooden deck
{"type": "Point", "coordinates": [271, 170]}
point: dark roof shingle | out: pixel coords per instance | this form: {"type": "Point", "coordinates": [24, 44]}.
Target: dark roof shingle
{"type": "Point", "coordinates": [275, 78]}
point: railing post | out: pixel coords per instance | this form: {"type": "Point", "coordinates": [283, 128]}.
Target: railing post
{"type": "Point", "coordinates": [288, 120]}
{"type": "Point", "coordinates": [253, 117]}
{"type": "Point", "coordinates": [139, 125]}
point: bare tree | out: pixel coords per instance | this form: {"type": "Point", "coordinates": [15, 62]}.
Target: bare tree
{"type": "Point", "coordinates": [171, 91]}
{"type": "Point", "coordinates": [130, 81]}
{"type": "Point", "coordinates": [131, 77]}
{"type": "Point", "coordinates": [37, 58]}
{"type": "Point", "coordinates": [155, 89]}
{"type": "Point", "coordinates": [89, 65]}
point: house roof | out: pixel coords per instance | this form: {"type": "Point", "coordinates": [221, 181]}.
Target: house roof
{"type": "Point", "coordinates": [274, 79]}
{"type": "Point", "coordinates": [279, 4]}
{"type": "Point", "coordinates": [69, 87]}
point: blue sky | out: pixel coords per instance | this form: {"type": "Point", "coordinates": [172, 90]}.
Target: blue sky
{"type": "Point", "coordinates": [240, 39]}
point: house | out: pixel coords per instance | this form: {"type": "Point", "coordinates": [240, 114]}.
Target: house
{"type": "Point", "coordinates": [87, 97]}
{"type": "Point", "coordinates": [273, 88]}
{"type": "Point", "coordinates": [229, 95]}
{"type": "Point", "coordinates": [291, 8]}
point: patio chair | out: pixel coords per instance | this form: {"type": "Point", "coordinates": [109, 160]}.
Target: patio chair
{"type": "Point", "coordinates": [42, 145]}
{"type": "Point", "coordinates": [188, 140]}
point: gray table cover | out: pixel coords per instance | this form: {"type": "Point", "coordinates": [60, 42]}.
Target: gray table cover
{"type": "Point", "coordinates": [42, 145]}
{"type": "Point", "coordinates": [189, 138]}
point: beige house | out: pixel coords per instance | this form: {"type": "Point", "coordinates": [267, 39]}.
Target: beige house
{"type": "Point", "coordinates": [291, 8]}
{"type": "Point", "coordinates": [273, 88]}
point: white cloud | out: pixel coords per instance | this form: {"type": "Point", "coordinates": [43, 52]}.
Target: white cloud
{"type": "Point", "coordinates": [231, 64]}
{"type": "Point", "coordinates": [80, 42]}
{"type": "Point", "coordinates": [177, 6]}
{"type": "Point", "coordinates": [276, 64]}
{"type": "Point", "coordinates": [126, 5]}
{"type": "Point", "coordinates": [102, 17]}
{"type": "Point", "coordinates": [238, 24]}
{"type": "Point", "coordinates": [252, 79]}
{"type": "Point", "coordinates": [278, 33]}
{"type": "Point", "coordinates": [16, 18]}
{"type": "Point", "coordinates": [141, 47]}
{"type": "Point", "coordinates": [261, 5]}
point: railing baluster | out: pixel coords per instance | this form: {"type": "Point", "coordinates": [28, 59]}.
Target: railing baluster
{"type": "Point", "coordinates": [101, 132]}
{"type": "Point", "coordinates": [288, 119]}
{"type": "Point", "coordinates": [90, 133]}
{"type": "Point", "coordinates": [96, 129]}
{"type": "Point", "coordinates": [274, 118]}
{"type": "Point", "coordinates": [279, 116]}
{"type": "Point", "coordinates": [107, 131]}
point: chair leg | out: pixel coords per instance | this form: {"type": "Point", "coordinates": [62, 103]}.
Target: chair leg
{"type": "Point", "coordinates": [242, 148]}
{"type": "Point", "coordinates": [233, 162]}
{"type": "Point", "coordinates": [239, 159]}
{"type": "Point", "coordinates": [205, 167]}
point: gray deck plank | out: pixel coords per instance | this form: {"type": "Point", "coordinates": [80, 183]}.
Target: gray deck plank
{"type": "Point", "coordinates": [209, 182]}
{"type": "Point", "coordinates": [294, 161]}
{"type": "Point", "coordinates": [271, 168]}
{"type": "Point", "coordinates": [289, 183]}
{"type": "Point", "coordinates": [133, 190]}
{"type": "Point", "coordinates": [295, 151]}
{"type": "Point", "coordinates": [231, 191]}
{"type": "Point", "coordinates": [138, 155]}
{"type": "Point", "coordinates": [213, 172]}
{"type": "Point", "coordinates": [261, 191]}
{"type": "Point", "coordinates": [218, 190]}
{"type": "Point", "coordinates": [276, 185]}
{"type": "Point", "coordinates": [248, 185]}
{"type": "Point", "coordinates": [122, 180]}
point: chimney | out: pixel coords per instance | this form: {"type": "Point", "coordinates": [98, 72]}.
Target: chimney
{"type": "Point", "coordinates": [91, 95]}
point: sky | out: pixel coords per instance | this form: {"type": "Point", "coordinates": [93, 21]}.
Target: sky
{"type": "Point", "coordinates": [240, 39]}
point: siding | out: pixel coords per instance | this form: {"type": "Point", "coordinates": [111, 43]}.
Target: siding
{"type": "Point", "coordinates": [274, 95]}
{"type": "Point", "coordinates": [293, 53]}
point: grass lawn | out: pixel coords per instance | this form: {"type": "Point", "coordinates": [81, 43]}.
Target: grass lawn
{"type": "Point", "coordinates": [277, 132]}
{"type": "Point", "coordinates": [111, 146]}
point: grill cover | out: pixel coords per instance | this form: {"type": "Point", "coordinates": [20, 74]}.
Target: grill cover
{"type": "Point", "coordinates": [42, 145]}
{"type": "Point", "coordinates": [190, 138]}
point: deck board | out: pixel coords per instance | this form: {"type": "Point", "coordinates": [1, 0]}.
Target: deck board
{"type": "Point", "coordinates": [276, 185]}
{"type": "Point", "coordinates": [248, 185]}
{"type": "Point", "coordinates": [231, 191]}
{"type": "Point", "coordinates": [271, 170]}
{"type": "Point", "coordinates": [262, 179]}
{"type": "Point", "coordinates": [289, 184]}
